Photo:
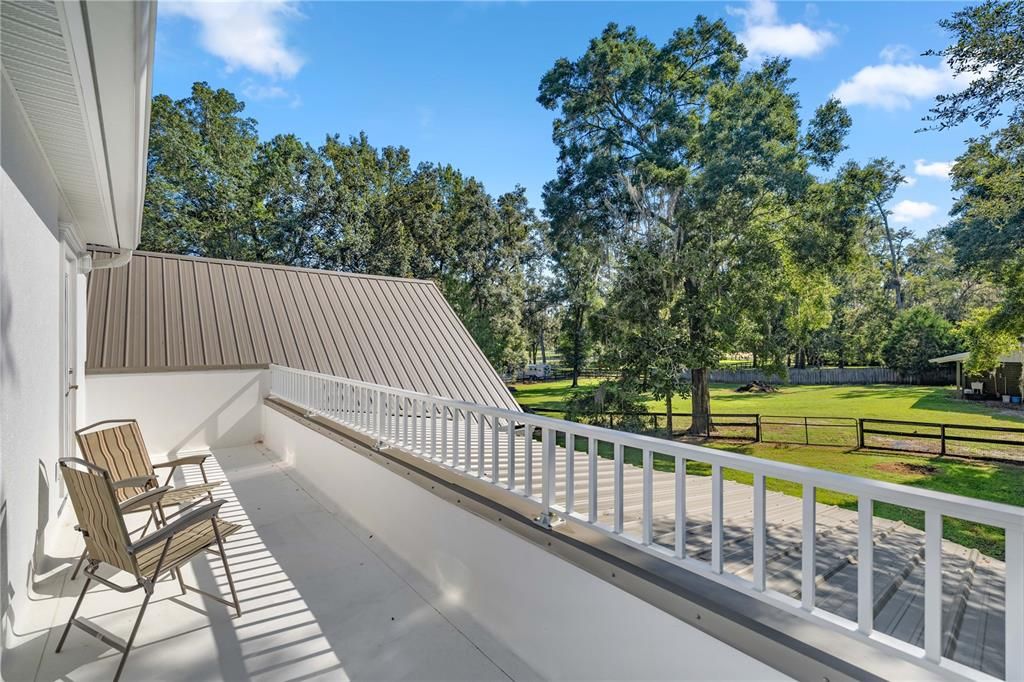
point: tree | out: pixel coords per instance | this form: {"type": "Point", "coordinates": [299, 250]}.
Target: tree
{"type": "Point", "coordinates": [199, 177]}
{"type": "Point", "coordinates": [712, 161]}
{"type": "Point", "coordinates": [918, 334]}
{"type": "Point", "coordinates": [879, 180]}
{"type": "Point", "coordinates": [987, 230]}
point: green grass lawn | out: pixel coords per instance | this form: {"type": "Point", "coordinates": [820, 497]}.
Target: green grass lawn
{"type": "Point", "coordinates": [880, 401]}
{"type": "Point", "coordinates": [995, 482]}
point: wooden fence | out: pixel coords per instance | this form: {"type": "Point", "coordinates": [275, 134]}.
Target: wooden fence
{"type": "Point", "coordinates": [996, 443]}
{"type": "Point", "coordinates": [828, 376]}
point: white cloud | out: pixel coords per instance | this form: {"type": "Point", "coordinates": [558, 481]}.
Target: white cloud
{"type": "Point", "coordinates": [245, 35]}
{"type": "Point", "coordinates": [933, 169]}
{"type": "Point", "coordinates": [908, 211]}
{"type": "Point", "coordinates": [895, 86]}
{"type": "Point", "coordinates": [764, 35]}
{"type": "Point", "coordinates": [897, 52]}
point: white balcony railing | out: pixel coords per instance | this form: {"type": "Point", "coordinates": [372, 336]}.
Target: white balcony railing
{"type": "Point", "coordinates": [490, 443]}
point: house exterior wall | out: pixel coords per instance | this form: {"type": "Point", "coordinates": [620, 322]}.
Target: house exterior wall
{"type": "Point", "coordinates": [31, 261]}
{"type": "Point", "coordinates": [183, 411]}
{"type": "Point", "coordinates": [497, 585]}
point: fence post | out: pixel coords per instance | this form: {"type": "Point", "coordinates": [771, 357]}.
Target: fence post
{"type": "Point", "coordinates": [757, 428]}
{"type": "Point", "coordinates": [942, 438]}
{"type": "Point", "coordinates": [860, 433]}
{"type": "Point", "coordinates": [807, 436]}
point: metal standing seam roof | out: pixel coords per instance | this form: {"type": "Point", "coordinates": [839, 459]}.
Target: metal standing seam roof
{"type": "Point", "coordinates": [164, 312]}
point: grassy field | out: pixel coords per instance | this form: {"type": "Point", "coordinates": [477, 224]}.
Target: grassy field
{"type": "Point", "coordinates": [918, 403]}
{"type": "Point", "coordinates": [995, 482]}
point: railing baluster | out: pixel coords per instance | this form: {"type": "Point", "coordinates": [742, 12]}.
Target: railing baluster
{"type": "Point", "coordinates": [865, 566]}
{"type": "Point", "coordinates": [648, 519]}
{"type": "Point", "coordinates": [528, 459]}
{"type": "Point", "coordinates": [808, 570]}
{"type": "Point", "coordinates": [495, 468]}
{"type": "Point", "coordinates": [467, 455]}
{"type": "Point", "coordinates": [680, 507]}
{"type": "Point", "coordinates": [592, 446]}
{"type": "Point", "coordinates": [455, 437]}
{"type": "Point", "coordinates": [570, 472]}
{"type": "Point", "coordinates": [716, 518]}
{"type": "Point", "coordinates": [434, 453]}
{"type": "Point", "coordinates": [511, 469]}
{"type": "Point", "coordinates": [481, 420]}
{"type": "Point", "coordinates": [617, 494]}
{"type": "Point", "coordinates": [759, 532]}
{"type": "Point", "coordinates": [933, 586]}
{"type": "Point", "coordinates": [1014, 604]}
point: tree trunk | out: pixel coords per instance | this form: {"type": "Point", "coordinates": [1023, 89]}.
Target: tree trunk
{"type": "Point", "coordinates": [543, 349]}
{"type": "Point", "coordinates": [668, 415]}
{"type": "Point", "coordinates": [700, 402]}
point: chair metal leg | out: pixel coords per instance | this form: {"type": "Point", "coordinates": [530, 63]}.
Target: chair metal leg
{"type": "Point", "coordinates": [74, 612]}
{"type": "Point", "coordinates": [78, 566]}
{"type": "Point", "coordinates": [227, 569]}
{"type": "Point", "coordinates": [131, 638]}
{"type": "Point", "coordinates": [181, 581]}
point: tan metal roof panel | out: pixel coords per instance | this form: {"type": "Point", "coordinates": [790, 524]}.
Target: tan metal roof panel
{"type": "Point", "coordinates": [167, 312]}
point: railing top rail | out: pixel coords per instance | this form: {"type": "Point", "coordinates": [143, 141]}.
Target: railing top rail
{"type": "Point", "coordinates": [970, 509]}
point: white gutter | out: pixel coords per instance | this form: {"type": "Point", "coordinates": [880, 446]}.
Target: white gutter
{"type": "Point", "coordinates": [118, 258]}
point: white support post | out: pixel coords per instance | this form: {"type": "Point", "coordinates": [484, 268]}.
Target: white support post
{"type": "Point", "coordinates": [570, 472]}
{"type": "Point", "coordinates": [760, 527]}
{"type": "Point", "coordinates": [1014, 555]}
{"type": "Point", "coordinates": [865, 565]}
{"type": "Point", "coordinates": [480, 421]}
{"type": "Point", "coordinates": [933, 586]}
{"type": "Point", "coordinates": [807, 577]}
{"type": "Point", "coordinates": [528, 459]}
{"type": "Point", "coordinates": [648, 501]}
{"type": "Point", "coordinates": [592, 446]}
{"type": "Point", "coordinates": [680, 507]}
{"type": "Point", "coordinates": [467, 455]}
{"type": "Point", "coordinates": [510, 437]}
{"type": "Point", "coordinates": [495, 460]}
{"type": "Point", "coordinates": [455, 436]}
{"type": "Point", "coordinates": [617, 495]}
{"type": "Point", "coordinates": [547, 474]}
{"type": "Point", "coordinates": [717, 513]}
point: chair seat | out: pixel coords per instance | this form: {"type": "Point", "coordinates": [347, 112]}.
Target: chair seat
{"type": "Point", "coordinates": [187, 493]}
{"type": "Point", "coordinates": [184, 546]}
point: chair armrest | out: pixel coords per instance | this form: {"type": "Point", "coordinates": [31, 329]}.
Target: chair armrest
{"type": "Point", "coordinates": [134, 482]}
{"type": "Point", "coordinates": [146, 499]}
{"type": "Point", "coordinates": [204, 513]}
{"type": "Point", "coordinates": [182, 461]}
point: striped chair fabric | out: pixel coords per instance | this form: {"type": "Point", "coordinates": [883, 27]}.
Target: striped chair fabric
{"type": "Point", "coordinates": [100, 518]}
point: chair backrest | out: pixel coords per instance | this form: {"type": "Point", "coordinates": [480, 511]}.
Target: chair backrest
{"type": "Point", "coordinates": [119, 450]}
{"type": "Point", "coordinates": [99, 516]}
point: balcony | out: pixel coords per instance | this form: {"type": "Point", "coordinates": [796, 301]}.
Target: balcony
{"type": "Point", "coordinates": [391, 534]}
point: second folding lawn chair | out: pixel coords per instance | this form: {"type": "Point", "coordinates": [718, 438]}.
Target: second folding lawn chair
{"type": "Point", "coordinates": [166, 549]}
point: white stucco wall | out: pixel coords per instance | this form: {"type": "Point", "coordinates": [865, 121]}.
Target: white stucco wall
{"type": "Point", "coordinates": [30, 285]}
{"type": "Point", "coordinates": [556, 617]}
{"type": "Point", "coordinates": [182, 411]}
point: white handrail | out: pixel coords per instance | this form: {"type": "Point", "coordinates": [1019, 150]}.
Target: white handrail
{"type": "Point", "coordinates": [453, 433]}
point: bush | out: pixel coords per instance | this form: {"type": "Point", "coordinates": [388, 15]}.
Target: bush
{"type": "Point", "coordinates": [610, 403]}
{"type": "Point", "coordinates": [917, 335]}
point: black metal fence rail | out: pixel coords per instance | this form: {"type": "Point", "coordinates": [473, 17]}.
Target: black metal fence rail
{"type": "Point", "coordinates": [941, 438]}
{"type": "Point", "coordinates": [928, 438]}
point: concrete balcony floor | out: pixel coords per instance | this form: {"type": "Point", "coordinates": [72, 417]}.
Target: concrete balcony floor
{"type": "Point", "coordinates": [321, 599]}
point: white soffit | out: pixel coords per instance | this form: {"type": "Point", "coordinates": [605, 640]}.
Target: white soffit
{"type": "Point", "coordinates": [82, 75]}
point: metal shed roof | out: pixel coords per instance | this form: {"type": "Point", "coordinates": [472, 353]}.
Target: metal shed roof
{"type": "Point", "coordinates": [167, 312]}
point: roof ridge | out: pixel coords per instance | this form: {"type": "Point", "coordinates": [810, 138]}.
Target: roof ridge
{"type": "Point", "coordinates": [269, 266]}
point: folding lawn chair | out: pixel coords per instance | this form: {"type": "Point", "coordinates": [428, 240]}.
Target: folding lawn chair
{"type": "Point", "coordinates": [120, 450]}
{"type": "Point", "coordinates": [166, 549]}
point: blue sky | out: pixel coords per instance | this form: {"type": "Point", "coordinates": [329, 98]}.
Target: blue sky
{"type": "Point", "coordinates": [457, 83]}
